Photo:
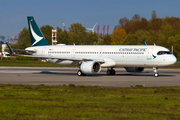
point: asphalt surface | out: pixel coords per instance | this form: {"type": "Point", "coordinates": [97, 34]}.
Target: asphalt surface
{"type": "Point", "coordinates": [64, 75]}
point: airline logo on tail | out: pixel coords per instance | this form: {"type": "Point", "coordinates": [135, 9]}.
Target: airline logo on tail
{"type": "Point", "coordinates": [36, 37]}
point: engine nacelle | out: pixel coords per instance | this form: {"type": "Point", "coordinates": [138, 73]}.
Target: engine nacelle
{"type": "Point", "coordinates": [134, 69]}
{"type": "Point", "coordinates": [90, 67]}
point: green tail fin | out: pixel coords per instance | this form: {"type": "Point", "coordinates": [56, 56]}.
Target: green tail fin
{"type": "Point", "coordinates": [37, 38]}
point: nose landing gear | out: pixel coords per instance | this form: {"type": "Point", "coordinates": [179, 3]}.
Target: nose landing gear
{"type": "Point", "coordinates": [155, 72]}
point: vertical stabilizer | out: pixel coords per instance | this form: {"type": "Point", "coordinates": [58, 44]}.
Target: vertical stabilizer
{"type": "Point", "coordinates": [37, 38]}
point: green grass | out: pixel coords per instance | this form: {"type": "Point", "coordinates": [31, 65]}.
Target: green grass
{"type": "Point", "coordinates": [88, 102]}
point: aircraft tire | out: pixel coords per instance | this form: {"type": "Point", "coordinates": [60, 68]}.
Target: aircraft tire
{"type": "Point", "coordinates": [80, 73]}
{"type": "Point", "coordinates": [108, 72]}
{"type": "Point", "coordinates": [156, 75]}
{"type": "Point", "coordinates": [113, 72]}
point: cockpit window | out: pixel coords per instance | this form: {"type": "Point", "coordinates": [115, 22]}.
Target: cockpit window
{"type": "Point", "coordinates": [163, 52]}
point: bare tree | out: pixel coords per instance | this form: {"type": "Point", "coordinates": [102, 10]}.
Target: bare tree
{"type": "Point", "coordinates": [123, 22]}
{"type": "Point", "coordinates": [136, 17]}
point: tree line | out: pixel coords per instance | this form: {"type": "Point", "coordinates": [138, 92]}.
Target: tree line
{"type": "Point", "coordinates": [76, 35]}
{"type": "Point", "coordinates": [161, 31]}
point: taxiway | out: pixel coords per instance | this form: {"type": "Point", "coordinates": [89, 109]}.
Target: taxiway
{"type": "Point", "coordinates": [66, 75]}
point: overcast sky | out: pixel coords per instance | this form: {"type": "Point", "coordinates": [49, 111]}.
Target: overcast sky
{"type": "Point", "coordinates": [13, 13]}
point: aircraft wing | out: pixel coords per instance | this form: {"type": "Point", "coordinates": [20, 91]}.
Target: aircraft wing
{"type": "Point", "coordinates": [60, 58]}
{"type": "Point", "coordinates": [68, 58]}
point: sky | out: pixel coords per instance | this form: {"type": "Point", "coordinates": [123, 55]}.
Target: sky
{"type": "Point", "coordinates": [13, 13]}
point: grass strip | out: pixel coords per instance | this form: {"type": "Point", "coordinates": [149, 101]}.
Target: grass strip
{"type": "Point", "coordinates": [88, 102]}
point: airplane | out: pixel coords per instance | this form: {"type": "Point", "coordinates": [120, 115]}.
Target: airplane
{"type": "Point", "coordinates": [91, 58]}
{"type": "Point", "coordinates": [92, 29]}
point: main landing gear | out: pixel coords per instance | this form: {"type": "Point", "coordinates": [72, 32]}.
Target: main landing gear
{"type": "Point", "coordinates": [111, 71]}
{"type": "Point", "coordinates": [155, 72]}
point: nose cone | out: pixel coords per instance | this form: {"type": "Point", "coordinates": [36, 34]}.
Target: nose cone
{"type": "Point", "coordinates": [167, 60]}
{"type": "Point", "coordinates": [174, 59]}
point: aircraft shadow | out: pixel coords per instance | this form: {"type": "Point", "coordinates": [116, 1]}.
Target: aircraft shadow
{"type": "Point", "coordinates": [99, 75]}
{"type": "Point", "coordinates": [55, 73]}
{"type": "Point", "coordinates": [70, 74]}
{"type": "Point", "coordinates": [143, 75]}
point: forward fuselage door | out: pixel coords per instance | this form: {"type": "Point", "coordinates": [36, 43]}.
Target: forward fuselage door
{"type": "Point", "coordinates": [43, 53]}
{"type": "Point", "coordinates": [73, 53]}
{"type": "Point", "coordinates": [149, 54]}
{"type": "Point", "coordinates": [100, 52]}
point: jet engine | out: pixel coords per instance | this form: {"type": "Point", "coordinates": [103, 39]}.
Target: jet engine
{"type": "Point", "coordinates": [90, 67]}
{"type": "Point", "coordinates": [134, 69]}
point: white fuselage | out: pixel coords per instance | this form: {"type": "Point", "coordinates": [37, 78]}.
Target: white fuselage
{"type": "Point", "coordinates": [112, 55]}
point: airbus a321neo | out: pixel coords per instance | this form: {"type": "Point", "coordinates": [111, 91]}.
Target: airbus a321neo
{"type": "Point", "coordinates": [91, 58]}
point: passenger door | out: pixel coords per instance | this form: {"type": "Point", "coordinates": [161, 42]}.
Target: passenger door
{"type": "Point", "coordinates": [73, 53]}
{"type": "Point", "coordinates": [43, 53]}
{"type": "Point", "coordinates": [149, 54]}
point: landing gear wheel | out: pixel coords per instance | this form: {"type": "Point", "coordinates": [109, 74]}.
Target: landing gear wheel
{"type": "Point", "coordinates": [80, 73]}
{"type": "Point", "coordinates": [108, 72]}
{"type": "Point", "coordinates": [156, 75]}
{"type": "Point", "coordinates": [155, 71]}
{"type": "Point", "coordinates": [111, 72]}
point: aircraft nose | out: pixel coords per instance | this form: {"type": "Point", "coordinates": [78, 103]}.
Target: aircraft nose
{"type": "Point", "coordinates": [173, 59]}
